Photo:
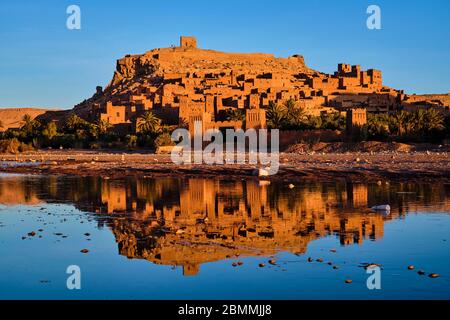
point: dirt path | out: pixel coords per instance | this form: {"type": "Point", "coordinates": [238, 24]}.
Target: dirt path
{"type": "Point", "coordinates": [417, 166]}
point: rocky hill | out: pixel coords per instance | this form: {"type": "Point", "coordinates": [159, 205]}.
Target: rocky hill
{"type": "Point", "coordinates": [158, 63]}
{"type": "Point", "coordinates": [190, 71]}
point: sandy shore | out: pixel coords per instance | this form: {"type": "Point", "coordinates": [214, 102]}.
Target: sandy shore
{"type": "Point", "coordinates": [416, 166]}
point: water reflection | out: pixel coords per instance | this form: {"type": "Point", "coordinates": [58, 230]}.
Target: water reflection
{"type": "Point", "coordinates": [188, 222]}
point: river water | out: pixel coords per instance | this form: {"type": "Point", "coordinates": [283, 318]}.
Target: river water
{"type": "Point", "coordinates": [179, 238]}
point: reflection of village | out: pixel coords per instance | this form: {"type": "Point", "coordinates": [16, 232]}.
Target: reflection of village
{"type": "Point", "coordinates": [190, 222]}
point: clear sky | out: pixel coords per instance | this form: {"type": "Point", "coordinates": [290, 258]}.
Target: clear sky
{"type": "Point", "coordinates": [43, 64]}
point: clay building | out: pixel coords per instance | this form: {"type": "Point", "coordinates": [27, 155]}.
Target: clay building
{"type": "Point", "coordinates": [356, 119]}
{"type": "Point", "coordinates": [183, 84]}
{"type": "Point", "coordinates": [188, 42]}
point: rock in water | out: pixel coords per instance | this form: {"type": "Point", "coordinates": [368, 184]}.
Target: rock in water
{"type": "Point", "coordinates": [382, 208]}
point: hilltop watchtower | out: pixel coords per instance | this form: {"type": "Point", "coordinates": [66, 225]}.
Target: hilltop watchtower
{"type": "Point", "coordinates": [188, 42]}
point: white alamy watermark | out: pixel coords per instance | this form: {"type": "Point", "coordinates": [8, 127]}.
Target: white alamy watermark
{"type": "Point", "coordinates": [374, 19]}
{"type": "Point", "coordinates": [374, 280]}
{"type": "Point", "coordinates": [73, 21]}
{"type": "Point", "coordinates": [74, 280]}
{"type": "Point", "coordinates": [236, 147]}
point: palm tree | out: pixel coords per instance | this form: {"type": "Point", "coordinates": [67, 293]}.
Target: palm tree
{"type": "Point", "coordinates": [276, 116]}
{"type": "Point", "coordinates": [27, 123]}
{"type": "Point", "coordinates": [378, 126]}
{"type": "Point", "coordinates": [315, 122]}
{"type": "Point", "coordinates": [29, 126]}
{"type": "Point", "coordinates": [103, 126]}
{"type": "Point", "coordinates": [73, 123]}
{"type": "Point", "coordinates": [148, 123]}
{"type": "Point", "coordinates": [400, 121]}
{"type": "Point", "coordinates": [340, 120]}
{"type": "Point", "coordinates": [290, 105]}
{"type": "Point", "coordinates": [434, 120]}
{"type": "Point", "coordinates": [295, 115]}
{"type": "Point", "coordinates": [333, 121]}
{"type": "Point", "coordinates": [235, 115]}
{"type": "Point", "coordinates": [418, 120]}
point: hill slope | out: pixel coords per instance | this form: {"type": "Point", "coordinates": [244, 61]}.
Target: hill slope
{"type": "Point", "coordinates": [12, 117]}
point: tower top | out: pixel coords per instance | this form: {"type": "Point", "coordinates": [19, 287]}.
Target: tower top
{"type": "Point", "coordinates": [188, 42]}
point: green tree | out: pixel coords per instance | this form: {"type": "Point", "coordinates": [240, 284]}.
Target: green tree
{"type": "Point", "coordinates": [149, 123]}
{"type": "Point", "coordinates": [401, 122]}
{"type": "Point", "coordinates": [163, 140]}
{"type": "Point", "coordinates": [29, 129]}
{"type": "Point", "coordinates": [433, 120]}
{"type": "Point", "coordinates": [295, 116]}
{"type": "Point", "coordinates": [93, 131]}
{"type": "Point", "coordinates": [50, 130]}
{"type": "Point", "coordinates": [333, 121]}
{"type": "Point", "coordinates": [27, 124]}
{"type": "Point", "coordinates": [235, 115]}
{"type": "Point", "coordinates": [103, 126]}
{"type": "Point", "coordinates": [276, 116]}
{"type": "Point", "coordinates": [131, 141]}
{"type": "Point", "coordinates": [418, 121]}
{"type": "Point", "coordinates": [314, 123]}
{"type": "Point", "coordinates": [74, 123]}
{"type": "Point", "coordinates": [378, 127]}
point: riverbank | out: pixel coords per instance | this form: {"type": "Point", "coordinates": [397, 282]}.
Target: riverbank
{"type": "Point", "coordinates": [356, 167]}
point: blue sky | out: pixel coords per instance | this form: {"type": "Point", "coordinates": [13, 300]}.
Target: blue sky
{"type": "Point", "coordinates": [43, 64]}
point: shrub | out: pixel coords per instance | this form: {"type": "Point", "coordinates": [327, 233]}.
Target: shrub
{"type": "Point", "coordinates": [164, 140]}
{"type": "Point", "coordinates": [14, 146]}
{"type": "Point", "coordinates": [131, 141]}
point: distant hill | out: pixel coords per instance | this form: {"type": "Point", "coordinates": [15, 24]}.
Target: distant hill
{"type": "Point", "coordinates": [12, 117]}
